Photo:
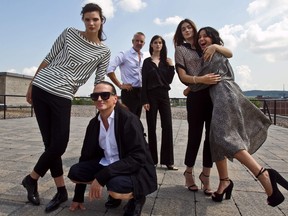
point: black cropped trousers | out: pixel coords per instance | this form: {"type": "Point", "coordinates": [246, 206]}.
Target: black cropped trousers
{"type": "Point", "coordinates": [53, 117]}
{"type": "Point", "coordinates": [199, 112]}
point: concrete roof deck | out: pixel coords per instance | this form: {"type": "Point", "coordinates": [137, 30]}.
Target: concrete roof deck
{"type": "Point", "coordinates": [21, 145]}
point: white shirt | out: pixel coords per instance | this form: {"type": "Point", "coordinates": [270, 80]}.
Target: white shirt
{"type": "Point", "coordinates": [107, 141]}
{"type": "Point", "coordinates": [130, 67]}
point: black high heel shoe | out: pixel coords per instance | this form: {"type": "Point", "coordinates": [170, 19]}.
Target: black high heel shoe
{"type": "Point", "coordinates": [276, 197]}
{"type": "Point", "coordinates": [207, 191]}
{"type": "Point", "coordinates": [217, 197]}
{"type": "Point", "coordinates": [192, 187]}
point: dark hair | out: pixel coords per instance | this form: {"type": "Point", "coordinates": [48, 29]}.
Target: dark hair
{"type": "Point", "coordinates": [163, 52]}
{"type": "Point", "coordinates": [211, 33]}
{"type": "Point", "coordinates": [121, 105]}
{"type": "Point", "coordinates": [108, 83]}
{"type": "Point", "coordinates": [178, 36]}
{"type": "Point", "coordinates": [91, 7]}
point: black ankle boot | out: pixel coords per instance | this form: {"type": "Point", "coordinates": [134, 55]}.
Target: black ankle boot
{"type": "Point", "coordinates": [32, 190]}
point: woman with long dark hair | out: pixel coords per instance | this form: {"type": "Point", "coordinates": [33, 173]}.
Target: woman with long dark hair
{"type": "Point", "coordinates": [238, 128]}
{"type": "Point", "coordinates": [199, 107]}
{"type": "Point", "coordinates": [157, 75]}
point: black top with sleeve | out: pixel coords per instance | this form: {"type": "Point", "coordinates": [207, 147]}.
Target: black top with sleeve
{"type": "Point", "coordinates": [155, 77]}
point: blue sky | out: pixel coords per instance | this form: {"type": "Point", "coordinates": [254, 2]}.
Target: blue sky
{"type": "Point", "coordinates": [256, 31]}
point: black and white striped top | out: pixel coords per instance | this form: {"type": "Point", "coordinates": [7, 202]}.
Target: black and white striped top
{"type": "Point", "coordinates": [71, 61]}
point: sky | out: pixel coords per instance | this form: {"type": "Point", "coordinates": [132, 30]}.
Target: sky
{"type": "Point", "coordinates": [256, 31]}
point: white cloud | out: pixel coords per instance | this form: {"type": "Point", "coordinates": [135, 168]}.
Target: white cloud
{"type": "Point", "coordinates": [29, 71]}
{"type": "Point", "coordinates": [265, 34]}
{"type": "Point", "coordinates": [231, 35]}
{"type": "Point", "coordinates": [271, 42]}
{"type": "Point", "coordinates": [168, 36]}
{"type": "Point", "coordinates": [261, 8]}
{"type": "Point", "coordinates": [109, 6]}
{"type": "Point", "coordinates": [243, 77]}
{"type": "Point", "coordinates": [106, 5]}
{"type": "Point", "coordinates": [131, 5]}
{"type": "Point", "coordinates": [255, 7]}
{"type": "Point", "coordinates": [26, 71]}
{"type": "Point", "coordinates": [168, 21]}
{"type": "Point", "coordinates": [11, 71]}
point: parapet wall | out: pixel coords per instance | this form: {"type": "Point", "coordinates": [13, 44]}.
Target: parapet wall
{"type": "Point", "coordinates": [14, 84]}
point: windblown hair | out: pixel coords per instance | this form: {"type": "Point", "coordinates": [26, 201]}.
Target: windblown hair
{"type": "Point", "coordinates": [178, 36]}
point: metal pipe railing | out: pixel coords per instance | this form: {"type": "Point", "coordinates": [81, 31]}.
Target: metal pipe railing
{"type": "Point", "coordinates": [5, 105]}
{"type": "Point", "coordinates": [267, 107]}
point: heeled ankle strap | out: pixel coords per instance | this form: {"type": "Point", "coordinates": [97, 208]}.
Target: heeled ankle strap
{"type": "Point", "coordinates": [262, 170]}
{"type": "Point", "coordinates": [225, 179]}
{"type": "Point", "coordinates": [202, 174]}
{"type": "Point", "coordinates": [187, 172]}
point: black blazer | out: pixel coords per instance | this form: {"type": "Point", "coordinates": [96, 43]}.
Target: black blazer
{"type": "Point", "coordinates": [134, 154]}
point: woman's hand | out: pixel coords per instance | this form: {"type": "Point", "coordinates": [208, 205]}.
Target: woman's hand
{"type": "Point", "coordinates": [29, 94]}
{"type": "Point", "coordinates": [208, 52]}
{"type": "Point", "coordinates": [186, 91]}
{"type": "Point", "coordinates": [146, 107]}
{"type": "Point", "coordinates": [209, 79]}
{"type": "Point", "coordinates": [169, 61]}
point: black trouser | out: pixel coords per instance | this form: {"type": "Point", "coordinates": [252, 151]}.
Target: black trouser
{"type": "Point", "coordinates": [199, 111]}
{"type": "Point", "coordinates": [132, 99]}
{"type": "Point", "coordinates": [53, 117]}
{"type": "Point", "coordinates": [85, 172]}
{"type": "Point", "coordinates": [159, 101]}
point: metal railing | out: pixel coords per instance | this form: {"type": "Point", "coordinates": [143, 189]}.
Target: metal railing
{"type": "Point", "coordinates": [269, 107]}
{"type": "Point", "coordinates": [4, 106]}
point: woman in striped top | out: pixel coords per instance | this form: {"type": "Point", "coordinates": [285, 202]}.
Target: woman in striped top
{"type": "Point", "coordinates": [73, 58]}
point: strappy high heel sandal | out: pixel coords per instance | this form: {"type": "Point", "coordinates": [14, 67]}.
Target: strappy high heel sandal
{"type": "Point", "coordinates": [207, 191]}
{"type": "Point", "coordinates": [276, 197]}
{"type": "Point", "coordinates": [192, 187]}
{"type": "Point", "coordinates": [217, 197]}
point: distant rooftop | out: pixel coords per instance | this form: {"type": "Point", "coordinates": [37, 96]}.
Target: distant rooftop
{"type": "Point", "coordinates": [15, 75]}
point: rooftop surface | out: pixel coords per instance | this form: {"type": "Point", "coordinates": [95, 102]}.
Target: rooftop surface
{"type": "Point", "coordinates": [21, 146]}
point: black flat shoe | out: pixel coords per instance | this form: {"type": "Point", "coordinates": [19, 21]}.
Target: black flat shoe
{"type": "Point", "coordinates": [32, 190]}
{"type": "Point", "coordinates": [134, 207]}
{"type": "Point", "coordinates": [171, 167]}
{"type": "Point", "coordinates": [56, 201]}
{"type": "Point", "coordinates": [112, 203]}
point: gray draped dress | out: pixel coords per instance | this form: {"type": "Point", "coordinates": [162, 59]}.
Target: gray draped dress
{"type": "Point", "coordinates": [236, 123]}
